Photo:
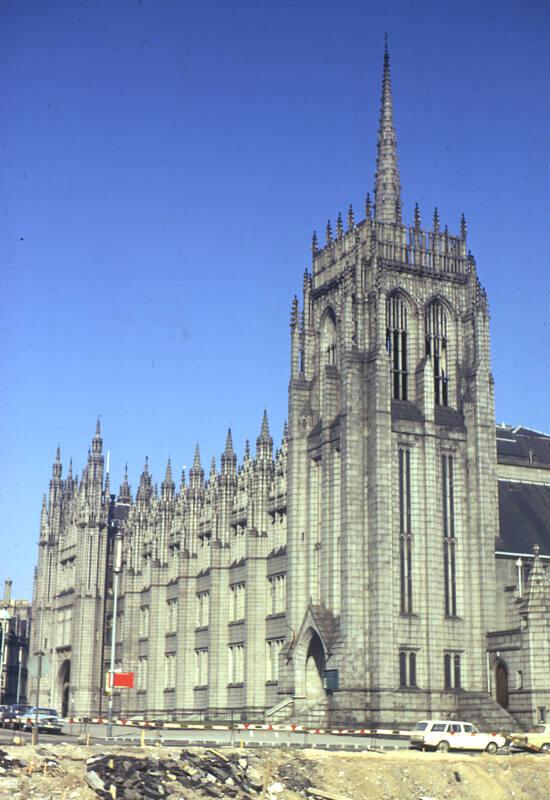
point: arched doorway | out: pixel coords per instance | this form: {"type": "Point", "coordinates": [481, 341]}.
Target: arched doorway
{"type": "Point", "coordinates": [501, 684]}
{"type": "Point", "coordinates": [64, 681]}
{"type": "Point", "coordinates": [315, 666]}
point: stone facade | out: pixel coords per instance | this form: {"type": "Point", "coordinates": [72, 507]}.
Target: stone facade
{"type": "Point", "coordinates": [350, 575]}
{"type": "Point", "coordinates": [15, 619]}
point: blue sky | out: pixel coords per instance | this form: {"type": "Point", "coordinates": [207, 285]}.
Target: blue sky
{"type": "Point", "coordinates": [162, 167]}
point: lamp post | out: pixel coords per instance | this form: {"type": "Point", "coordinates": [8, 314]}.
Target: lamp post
{"type": "Point", "coordinates": [117, 569]}
{"type": "Point", "coordinates": [5, 617]}
{"type": "Point", "coordinates": [20, 663]}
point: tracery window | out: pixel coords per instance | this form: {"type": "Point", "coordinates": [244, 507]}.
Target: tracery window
{"type": "Point", "coordinates": [437, 346]}
{"type": "Point", "coordinates": [396, 344]}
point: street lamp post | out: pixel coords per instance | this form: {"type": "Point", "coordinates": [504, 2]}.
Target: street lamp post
{"type": "Point", "coordinates": [5, 617]}
{"type": "Point", "coordinates": [20, 663]}
{"type": "Point", "coordinates": [117, 569]}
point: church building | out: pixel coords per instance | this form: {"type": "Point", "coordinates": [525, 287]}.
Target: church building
{"type": "Point", "coordinates": [387, 562]}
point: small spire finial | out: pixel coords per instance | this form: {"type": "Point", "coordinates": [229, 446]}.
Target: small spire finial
{"type": "Point", "coordinates": [398, 211]}
{"type": "Point", "coordinates": [368, 207]}
{"type": "Point", "coordinates": [417, 220]}
{"type": "Point", "coordinates": [463, 227]}
{"type": "Point", "coordinates": [314, 243]}
{"type": "Point", "coordinates": [294, 313]}
{"type": "Point", "coordinates": [329, 232]}
{"type": "Point", "coordinates": [351, 218]}
{"type": "Point", "coordinates": [339, 226]}
{"type": "Point", "coordinates": [536, 550]}
{"type": "Point", "coordinates": [436, 220]}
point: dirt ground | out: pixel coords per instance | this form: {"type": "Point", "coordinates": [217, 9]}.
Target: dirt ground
{"type": "Point", "coordinates": [58, 771]}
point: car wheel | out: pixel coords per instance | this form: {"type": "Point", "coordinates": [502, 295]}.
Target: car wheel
{"type": "Point", "coordinates": [443, 747]}
{"type": "Point", "coordinates": [545, 747]}
{"type": "Point", "coordinates": [492, 747]}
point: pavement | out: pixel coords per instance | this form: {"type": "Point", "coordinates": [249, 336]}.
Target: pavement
{"type": "Point", "coordinates": [97, 732]}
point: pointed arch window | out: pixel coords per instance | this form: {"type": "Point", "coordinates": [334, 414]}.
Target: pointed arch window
{"type": "Point", "coordinates": [396, 344]}
{"type": "Point", "coordinates": [329, 350]}
{"type": "Point", "coordinates": [437, 346]}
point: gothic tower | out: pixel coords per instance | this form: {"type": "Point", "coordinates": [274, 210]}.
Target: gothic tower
{"type": "Point", "coordinates": [71, 583]}
{"type": "Point", "coordinates": [392, 507]}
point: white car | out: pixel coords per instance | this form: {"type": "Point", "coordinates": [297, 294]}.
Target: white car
{"type": "Point", "coordinates": [452, 734]}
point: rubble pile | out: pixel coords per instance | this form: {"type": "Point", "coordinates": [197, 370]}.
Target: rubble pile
{"type": "Point", "coordinates": [8, 763]}
{"type": "Point", "coordinates": [207, 774]}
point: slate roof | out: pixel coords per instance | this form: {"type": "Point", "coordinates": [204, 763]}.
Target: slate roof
{"type": "Point", "coordinates": [522, 446]}
{"type": "Point", "coordinates": [524, 510]}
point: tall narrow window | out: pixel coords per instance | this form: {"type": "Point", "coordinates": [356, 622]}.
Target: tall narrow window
{"type": "Point", "coordinates": [407, 669]}
{"type": "Point", "coordinates": [449, 541]}
{"type": "Point", "coordinates": [396, 344]}
{"type": "Point", "coordinates": [437, 346]}
{"type": "Point", "coordinates": [452, 671]}
{"type": "Point", "coordinates": [405, 531]}
{"type": "Point", "coordinates": [329, 350]}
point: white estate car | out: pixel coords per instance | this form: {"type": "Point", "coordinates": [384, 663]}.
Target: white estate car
{"type": "Point", "coordinates": [452, 734]}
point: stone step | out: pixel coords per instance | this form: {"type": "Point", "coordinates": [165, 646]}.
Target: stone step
{"type": "Point", "coordinates": [483, 710]}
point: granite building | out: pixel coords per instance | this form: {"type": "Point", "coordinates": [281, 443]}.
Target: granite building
{"type": "Point", "coordinates": [15, 618]}
{"type": "Point", "coordinates": [384, 563]}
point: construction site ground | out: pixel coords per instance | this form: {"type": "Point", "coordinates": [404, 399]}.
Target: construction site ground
{"type": "Point", "coordinates": [78, 772]}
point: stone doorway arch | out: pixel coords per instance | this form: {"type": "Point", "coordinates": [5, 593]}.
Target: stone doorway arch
{"type": "Point", "coordinates": [64, 684]}
{"type": "Point", "coordinates": [314, 669]}
{"type": "Point", "coordinates": [501, 683]}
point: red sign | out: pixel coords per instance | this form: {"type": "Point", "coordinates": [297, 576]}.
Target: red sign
{"type": "Point", "coordinates": [121, 680]}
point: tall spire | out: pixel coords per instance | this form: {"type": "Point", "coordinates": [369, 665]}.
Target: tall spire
{"type": "Point", "coordinates": [388, 186]}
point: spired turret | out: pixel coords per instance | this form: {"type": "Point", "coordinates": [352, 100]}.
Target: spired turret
{"type": "Point", "coordinates": [229, 458]}
{"type": "Point", "coordinates": [57, 467]}
{"type": "Point", "coordinates": [264, 442]}
{"type": "Point", "coordinates": [168, 487]}
{"type": "Point", "coordinates": [145, 489]}
{"type": "Point", "coordinates": [124, 493]}
{"type": "Point", "coordinates": [97, 441]}
{"type": "Point", "coordinates": [196, 473]}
